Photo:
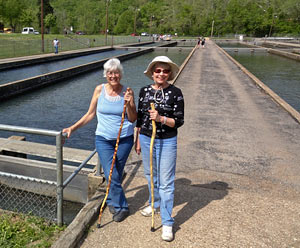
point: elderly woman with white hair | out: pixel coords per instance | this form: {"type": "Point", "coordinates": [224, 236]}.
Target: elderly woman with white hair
{"type": "Point", "coordinates": [169, 116]}
{"type": "Point", "coordinates": [107, 104]}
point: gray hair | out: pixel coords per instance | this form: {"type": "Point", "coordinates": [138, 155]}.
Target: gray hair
{"type": "Point", "coordinates": [113, 64]}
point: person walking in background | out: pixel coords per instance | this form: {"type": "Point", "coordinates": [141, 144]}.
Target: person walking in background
{"type": "Point", "coordinates": [203, 42]}
{"type": "Point", "coordinates": [107, 104]}
{"type": "Point", "coordinates": [199, 42]}
{"type": "Point", "coordinates": [169, 116]}
{"type": "Point", "coordinates": [56, 44]}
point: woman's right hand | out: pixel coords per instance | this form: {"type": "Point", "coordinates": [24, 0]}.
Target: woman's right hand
{"type": "Point", "coordinates": [68, 131]}
{"type": "Point", "coordinates": [137, 144]}
{"type": "Point", "coordinates": [137, 147]}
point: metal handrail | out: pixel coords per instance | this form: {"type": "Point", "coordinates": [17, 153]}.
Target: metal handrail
{"type": "Point", "coordinates": [75, 172]}
{"type": "Point", "coordinates": [59, 160]}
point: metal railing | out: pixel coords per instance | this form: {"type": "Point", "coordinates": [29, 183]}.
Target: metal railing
{"type": "Point", "coordinates": [60, 185]}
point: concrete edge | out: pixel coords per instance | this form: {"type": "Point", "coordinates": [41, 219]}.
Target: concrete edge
{"type": "Point", "coordinates": [285, 44]}
{"type": "Point", "coordinates": [184, 64]}
{"type": "Point", "coordinates": [84, 219]}
{"type": "Point", "coordinates": [285, 54]}
{"type": "Point", "coordinates": [37, 59]}
{"type": "Point", "coordinates": [294, 113]}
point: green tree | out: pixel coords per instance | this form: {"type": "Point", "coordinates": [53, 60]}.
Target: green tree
{"type": "Point", "coordinates": [125, 23]}
{"type": "Point", "coordinates": [11, 12]}
{"type": "Point", "coordinates": [50, 22]}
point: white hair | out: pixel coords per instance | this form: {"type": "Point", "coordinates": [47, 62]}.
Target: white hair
{"type": "Point", "coordinates": [113, 64]}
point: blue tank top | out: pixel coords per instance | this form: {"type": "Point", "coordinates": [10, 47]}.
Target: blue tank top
{"type": "Point", "coordinates": [109, 116]}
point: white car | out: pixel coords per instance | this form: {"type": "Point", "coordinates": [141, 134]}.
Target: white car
{"type": "Point", "coordinates": [29, 30]}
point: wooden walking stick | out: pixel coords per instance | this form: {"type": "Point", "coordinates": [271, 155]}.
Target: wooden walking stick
{"type": "Point", "coordinates": [151, 167]}
{"type": "Point", "coordinates": [112, 165]}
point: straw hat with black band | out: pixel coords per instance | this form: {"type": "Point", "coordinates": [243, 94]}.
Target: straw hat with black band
{"type": "Point", "coordinates": [162, 59]}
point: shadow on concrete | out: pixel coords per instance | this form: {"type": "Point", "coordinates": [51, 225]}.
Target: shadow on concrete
{"type": "Point", "coordinates": [195, 197]}
{"type": "Point", "coordinates": [138, 201]}
{"type": "Point", "coordinates": [137, 165]}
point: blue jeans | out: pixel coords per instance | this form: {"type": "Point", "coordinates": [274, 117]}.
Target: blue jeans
{"type": "Point", "coordinates": [105, 149]}
{"type": "Point", "coordinates": [164, 165]}
{"type": "Point", "coordinates": [56, 49]}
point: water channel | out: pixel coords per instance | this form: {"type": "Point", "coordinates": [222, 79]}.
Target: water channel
{"type": "Point", "coordinates": [35, 70]}
{"type": "Point", "coordinates": [280, 74]}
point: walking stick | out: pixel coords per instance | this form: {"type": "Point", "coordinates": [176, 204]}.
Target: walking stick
{"type": "Point", "coordinates": [151, 167]}
{"type": "Point", "coordinates": [112, 166]}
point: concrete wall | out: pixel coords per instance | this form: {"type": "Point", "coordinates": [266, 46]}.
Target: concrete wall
{"type": "Point", "coordinates": [285, 54]}
{"type": "Point", "coordinates": [76, 191]}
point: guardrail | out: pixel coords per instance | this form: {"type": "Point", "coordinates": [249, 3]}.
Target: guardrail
{"type": "Point", "coordinates": [60, 185]}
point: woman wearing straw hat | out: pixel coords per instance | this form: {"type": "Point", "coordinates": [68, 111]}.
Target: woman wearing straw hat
{"type": "Point", "coordinates": [168, 116]}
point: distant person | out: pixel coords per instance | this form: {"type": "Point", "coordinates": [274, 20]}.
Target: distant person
{"type": "Point", "coordinates": [56, 44]}
{"type": "Point", "coordinates": [199, 42]}
{"type": "Point", "coordinates": [107, 104]}
{"type": "Point", "coordinates": [203, 42]}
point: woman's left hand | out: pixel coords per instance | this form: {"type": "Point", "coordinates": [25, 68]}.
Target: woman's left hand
{"type": "Point", "coordinates": [154, 115]}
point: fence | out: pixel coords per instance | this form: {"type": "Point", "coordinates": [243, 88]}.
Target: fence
{"type": "Point", "coordinates": [18, 48]}
{"type": "Point", "coordinates": [22, 199]}
{"type": "Point", "coordinates": [37, 196]}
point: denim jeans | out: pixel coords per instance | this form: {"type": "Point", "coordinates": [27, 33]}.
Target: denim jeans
{"type": "Point", "coordinates": [56, 49]}
{"type": "Point", "coordinates": [105, 149]}
{"type": "Point", "coordinates": [164, 165]}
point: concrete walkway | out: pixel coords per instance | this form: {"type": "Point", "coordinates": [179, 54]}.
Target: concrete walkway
{"type": "Point", "coordinates": [238, 173]}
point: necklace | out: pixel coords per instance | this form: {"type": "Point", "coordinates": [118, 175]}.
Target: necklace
{"type": "Point", "coordinates": [158, 98]}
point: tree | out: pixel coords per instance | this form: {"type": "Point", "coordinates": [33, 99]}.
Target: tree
{"type": "Point", "coordinates": [11, 11]}
{"type": "Point", "coordinates": [50, 22]}
{"type": "Point", "coordinates": [125, 23]}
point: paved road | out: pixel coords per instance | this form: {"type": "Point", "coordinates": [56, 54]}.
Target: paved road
{"type": "Point", "coordinates": [238, 179]}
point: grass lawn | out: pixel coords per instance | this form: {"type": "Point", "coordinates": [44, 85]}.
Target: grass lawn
{"type": "Point", "coordinates": [18, 231]}
{"type": "Point", "coordinates": [17, 45]}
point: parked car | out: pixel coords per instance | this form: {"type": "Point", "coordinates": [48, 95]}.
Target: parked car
{"type": "Point", "coordinates": [144, 34]}
{"type": "Point", "coordinates": [29, 30]}
{"type": "Point", "coordinates": [7, 30]}
{"type": "Point", "coordinates": [167, 37]}
{"type": "Point", "coordinates": [79, 33]}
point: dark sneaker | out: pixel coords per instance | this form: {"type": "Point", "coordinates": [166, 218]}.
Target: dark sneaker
{"type": "Point", "coordinates": [111, 209]}
{"type": "Point", "coordinates": [120, 216]}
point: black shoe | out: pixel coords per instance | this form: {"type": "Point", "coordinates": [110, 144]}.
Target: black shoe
{"type": "Point", "coordinates": [111, 209]}
{"type": "Point", "coordinates": [121, 215]}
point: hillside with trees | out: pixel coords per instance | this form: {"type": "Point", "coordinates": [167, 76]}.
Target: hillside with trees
{"type": "Point", "coordinates": [186, 18]}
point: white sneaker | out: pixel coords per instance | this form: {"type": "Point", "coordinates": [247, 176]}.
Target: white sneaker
{"type": "Point", "coordinates": [167, 233]}
{"type": "Point", "coordinates": [147, 211]}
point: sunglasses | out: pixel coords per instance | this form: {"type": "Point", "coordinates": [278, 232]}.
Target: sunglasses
{"type": "Point", "coordinates": [164, 71]}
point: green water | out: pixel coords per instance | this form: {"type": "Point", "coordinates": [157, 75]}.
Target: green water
{"type": "Point", "coordinates": [281, 74]}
